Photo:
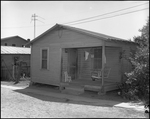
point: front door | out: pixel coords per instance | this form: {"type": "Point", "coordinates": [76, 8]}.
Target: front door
{"type": "Point", "coordinates": [72, 63]}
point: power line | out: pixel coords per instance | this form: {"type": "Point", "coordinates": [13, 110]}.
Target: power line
{"type": "Point", "coordinates": [86, 18]}
{"type": "Point", "coordinates": [41, 17]}
{"type": "Point", "coordinates": [109, 17]}
{"type": "Point", "coordinates": [105, 14]}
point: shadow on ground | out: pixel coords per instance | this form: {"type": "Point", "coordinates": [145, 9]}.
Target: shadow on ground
{"type": "Point", "coordinates": [110, 96]}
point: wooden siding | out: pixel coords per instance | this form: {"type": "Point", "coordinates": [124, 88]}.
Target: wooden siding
{"type": "Point", "coordinates": [56, 41]}
{"type": "Point", "coordinates": [84, 66]}
{"type": "Point", "coordinates": [126, 65]}
{"type": "Point", "coordinates": [51, 75]}
{"type": "Point", "coordinates": [113, 61]}
{"type": "Point", "coordinates": [68, 39]}
{"type": "Point", "coordinates": [64, 63]}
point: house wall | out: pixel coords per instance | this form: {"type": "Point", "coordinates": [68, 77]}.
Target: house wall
{"type": "Point", "coordinates": [56, 41]}
{"type": "Point", "coordinates": [126, 65]}
{"type": "Point", "coordinates": [84, 65]}
{"type": "Point", "coordinates": [64, 63]}
{"type": "Point", "coordinates": [52, 74]}
{"type": "Point", "coordinates": [7, 64]}
{"type": "Point", "coordinates": [113, 61]}
{"type": "Point", "coordinates": [19, 42]}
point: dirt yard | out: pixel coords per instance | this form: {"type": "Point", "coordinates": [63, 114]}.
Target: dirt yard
{"type": "Point", "coordinates": [28, 105]}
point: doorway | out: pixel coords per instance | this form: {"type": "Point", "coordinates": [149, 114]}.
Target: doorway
{"type": "Point", "coordinates": [72, 63]}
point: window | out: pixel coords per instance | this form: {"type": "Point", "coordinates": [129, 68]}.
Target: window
{"type": "Point", "coordinates": [5, 44]}
{"type": "Point", "coordinates": [44, 57]}
{"type": "Point", "coordinates": [13, 44]}
{"type": "Point", "coordinates": [97, 59]}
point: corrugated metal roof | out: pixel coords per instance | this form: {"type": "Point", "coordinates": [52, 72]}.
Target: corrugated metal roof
{"type": "Point", "coordinates": [15, 50]}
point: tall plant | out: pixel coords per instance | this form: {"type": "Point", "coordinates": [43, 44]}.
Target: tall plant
{"type": "Point", "coordinates": [138, 78]}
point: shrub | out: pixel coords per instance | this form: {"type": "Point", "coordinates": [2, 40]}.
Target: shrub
{"type": "Point", "coordinates": [137, 84]}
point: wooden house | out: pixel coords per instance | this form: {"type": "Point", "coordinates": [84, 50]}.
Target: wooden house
{"type": "Point", "coordinates": [77, 52]}
{"type": "Point", "coordinates": [16, 41]}
{"type": "Point", "coordinates": [8, 56]}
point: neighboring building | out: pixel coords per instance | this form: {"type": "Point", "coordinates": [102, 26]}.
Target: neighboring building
{"type": "Point", "coordinates": [78, 52]}
{"type": "Point", "coordinates": [16, 41]}
{"type": "Point", "coordinates": [8, 55]}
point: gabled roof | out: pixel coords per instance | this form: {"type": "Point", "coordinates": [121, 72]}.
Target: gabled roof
{"type": "Point", "coordinates": [15, 50]}
{"type": "Point", "coordinates": [9, 38]}
{"type": "Point", "coordinates": [87, 32]}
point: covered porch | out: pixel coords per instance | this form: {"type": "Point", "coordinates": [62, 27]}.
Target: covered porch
{"type": "Point", "coordinates": [91, 85]}
{"type": "Point", "coordinates": [79, 63]}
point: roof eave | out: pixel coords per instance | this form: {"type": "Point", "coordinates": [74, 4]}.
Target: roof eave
{"type": "Point", "coordinates": [105, 38]}
{"type": "Point", "coordinates": [35, 39]}
{"type": "Point", "coordinates": [123, 41]}
{"type": "Point", "coordinates": [99, 37]}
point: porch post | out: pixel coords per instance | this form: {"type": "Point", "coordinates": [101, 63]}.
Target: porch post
{"type": "Point", "coordinates": [103, 62]}
{"type": "Point", "coordinates": [102, 91]}
{"type": "Point", "coordinates": [61, 71]}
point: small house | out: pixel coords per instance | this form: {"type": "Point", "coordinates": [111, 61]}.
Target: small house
{"type": "Point", "coordinates": [8, 56]}
{"type": "Point", "coordinates": [65, 52]}
{"type": "Point", "coordinates": [16, 41]}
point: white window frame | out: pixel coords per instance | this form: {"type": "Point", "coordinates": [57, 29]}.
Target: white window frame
{"type": "Point", "coordinates": [45, 48]}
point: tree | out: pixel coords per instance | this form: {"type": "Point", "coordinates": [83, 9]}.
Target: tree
{"type": "Point", "coordinates": [138, 79]}
{"type": "Point", "coordinates": [143, 40]}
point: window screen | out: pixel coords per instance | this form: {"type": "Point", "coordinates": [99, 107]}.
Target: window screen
{"type": "Point", "coordinates": [97, 59]}
{"type": "Point", "coordinates": [44, 59]}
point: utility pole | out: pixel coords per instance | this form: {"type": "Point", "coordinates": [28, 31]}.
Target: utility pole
{"type": "Point", "coordinates": [34, 19]}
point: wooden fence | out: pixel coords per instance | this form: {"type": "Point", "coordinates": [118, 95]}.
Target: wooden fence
{"type": "Point", "coordinates": [8, 73]}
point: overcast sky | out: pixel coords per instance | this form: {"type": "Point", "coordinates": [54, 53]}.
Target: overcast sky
{"type": "Point", "coordinates": [16, 17]}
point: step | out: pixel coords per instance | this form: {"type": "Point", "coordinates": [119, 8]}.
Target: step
{"type": "Point", "coordinates": [92, 88]}
{"type": "Point", "coordinates": [75, 90]}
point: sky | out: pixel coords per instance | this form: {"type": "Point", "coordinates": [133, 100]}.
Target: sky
{"type": "Point", "coordinates": [16, 17]}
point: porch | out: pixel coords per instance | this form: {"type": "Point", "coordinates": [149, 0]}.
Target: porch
{"type": "Point", "coordinates": [79, 63]}
{"type": "Point", "coordinates": [90, 85]}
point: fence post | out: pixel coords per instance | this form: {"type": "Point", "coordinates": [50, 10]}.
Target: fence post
{"type": "Point", "coordinates": [13, 72]}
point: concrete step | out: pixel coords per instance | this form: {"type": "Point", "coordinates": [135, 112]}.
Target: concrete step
{"type": "Point", "coordinates": [75, 90]}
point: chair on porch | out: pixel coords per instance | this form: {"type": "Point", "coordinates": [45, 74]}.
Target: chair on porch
{"type": "Point", "coordinates": [97, 75]}
{"type": "Point", "coordinates": [67, 77]}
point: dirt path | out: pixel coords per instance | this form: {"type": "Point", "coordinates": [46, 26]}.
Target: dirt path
{"type": "Point", "coordinates": [14, 104]}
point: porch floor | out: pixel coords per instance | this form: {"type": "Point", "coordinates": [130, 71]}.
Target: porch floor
{"type": "Point", "coordinates": [91, 85]}
{"type": "Point", "coordinates": [81, 82]}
